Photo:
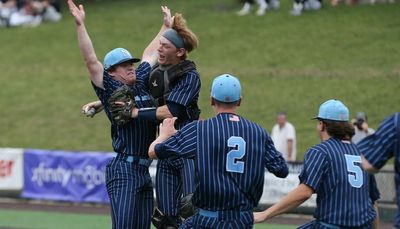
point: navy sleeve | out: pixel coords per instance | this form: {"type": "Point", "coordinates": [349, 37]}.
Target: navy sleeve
{"type": "Point", "coordinates": [142, 75]}
{"type": "Point", "coordinates": [315, 167]}
{"type": "Point", "coordinates": [182, 144]}
{"type": "Point", "coordinates": [274, 161]}
{"type": "Point", "coordinates": [177, 110]}
{"type": "Point", "coordinates": [379, 147]}
{"type": "Point", "coordinates": [186, 90]}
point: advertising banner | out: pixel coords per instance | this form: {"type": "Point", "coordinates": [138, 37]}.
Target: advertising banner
{"type": "Point", "coordinates": [67, 176]}
{"type": "Point", "coordinates": [275, 188]}
{"type": "Point", "coordinates": [11, 169]}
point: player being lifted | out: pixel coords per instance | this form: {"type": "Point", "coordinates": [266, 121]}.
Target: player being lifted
{"type": "Point", "coordinates": [230, 153]}
{"type": "Point", "coordinates": [127, 175]}
{"type": "Point", "coordinates": [332, 170]}
{"type": "Point", "coordinates": [174, 83]}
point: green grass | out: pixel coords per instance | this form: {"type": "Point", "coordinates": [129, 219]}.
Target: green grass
{"type": "Point", "coordinates": [284, 62]}
{"type": "Point", "coordinates": [50, 220]}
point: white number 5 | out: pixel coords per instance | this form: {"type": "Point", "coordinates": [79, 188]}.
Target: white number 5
{"type": "Point", "coordinates": [356, 174]}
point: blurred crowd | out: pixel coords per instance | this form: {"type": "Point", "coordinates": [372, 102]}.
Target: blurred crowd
{"type": "Point", "coordinates": [298, 5]}
{"type": "Point", "coordinates": [28, 12]}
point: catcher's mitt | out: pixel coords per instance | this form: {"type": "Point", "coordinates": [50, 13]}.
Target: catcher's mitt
{"type": "Point", "coordinates": [121, 113]}
{"type": "Point", "coordinates": [187, 207]}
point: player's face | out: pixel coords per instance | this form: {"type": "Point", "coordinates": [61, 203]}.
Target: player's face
{"type": "Point", "coordinates": [125, 73]}
{"type": "Point", "coordinates": [167, 53]}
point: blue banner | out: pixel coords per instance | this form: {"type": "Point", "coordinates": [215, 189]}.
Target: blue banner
{"type": "Point", "coordinates": [66, 176]}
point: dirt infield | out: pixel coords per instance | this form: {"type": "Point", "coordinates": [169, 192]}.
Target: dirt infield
{"type": "Point", "coordinates": [104, 209]}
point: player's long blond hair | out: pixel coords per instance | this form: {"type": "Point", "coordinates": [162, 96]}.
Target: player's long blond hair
{"type": "Point", "coordinates": [190, 39]}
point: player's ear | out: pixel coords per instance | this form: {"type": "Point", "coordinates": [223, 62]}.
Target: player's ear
{"type": "Point", "coordinates": [239, 101]}
{"type": "Point", "coordinates": [111, 71]}
{"type": "Point", "coordinates": [181, 52]}
{"type": "Point", "coordinates": [212, 101]}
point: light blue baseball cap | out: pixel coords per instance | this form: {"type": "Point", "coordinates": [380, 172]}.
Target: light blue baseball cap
{"type": "Point", "coordinates": [118, 56]}
{"type": "Point", "coordinates": [226, 88]}
{"type": "Point", "coordinates": [333, 109]}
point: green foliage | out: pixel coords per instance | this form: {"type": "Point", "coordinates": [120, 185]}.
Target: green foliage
{"type": "Point", "coordinates": [284, 62]}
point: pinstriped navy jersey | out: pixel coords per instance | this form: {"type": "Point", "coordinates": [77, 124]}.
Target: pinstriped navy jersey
{"type": "Point", "coordinates": [134, 137]}
{"type": "Point", "coordinates": [379, 147]}
{"type": "Point", "coordinates": [231, 154]}
{"type": "Point", "coordinates": [333, 170]}
{"type": "Point", "coordinates": [185, 90]}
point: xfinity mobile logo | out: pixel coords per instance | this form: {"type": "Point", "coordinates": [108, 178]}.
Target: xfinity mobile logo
{"type": "Point", "coordinates": [89, 176]}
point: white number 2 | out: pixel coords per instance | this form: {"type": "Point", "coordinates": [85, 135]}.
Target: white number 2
{"type": "Point", "coordinates": [232, 161]}
{"type": "Point", "coordinates": [356, 174]}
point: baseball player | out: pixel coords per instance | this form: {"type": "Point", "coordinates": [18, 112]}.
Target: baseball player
{"type": "Point", "coordinates": [174, 84]}
{"type": "Point", "coordinates": [379, 147]}
{"type": "Point", "coordinates": [127, 176]}
{"type": "Point", "coordinates": [230, 153]}
{"type": "Point", "coordinates": [332, 170]}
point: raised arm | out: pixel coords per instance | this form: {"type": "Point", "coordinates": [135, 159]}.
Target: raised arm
{"type": "Point", "coordinates": [93, 65]}
{"type": "Point", "coordinates": [150, 54]}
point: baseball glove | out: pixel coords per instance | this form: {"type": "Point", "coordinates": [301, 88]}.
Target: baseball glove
{"type": "Point", "coordinates": [121, 113]}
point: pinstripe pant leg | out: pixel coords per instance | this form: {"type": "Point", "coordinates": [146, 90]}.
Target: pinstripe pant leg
{"type": "Point", "coordinates": [129, 204]}
{"type": "Point", "coordinates": [187, 174]}
{"type": "Point", "coordinates": [144, 204]}
{"type": "Point", "coordinates": [201, 222]}
{"type": "Point", "coordinates": [198, 222]}
{"type": "Point", "coordinates": [168, 188]}
{"type": "Point", "coordinates": [120, 187]}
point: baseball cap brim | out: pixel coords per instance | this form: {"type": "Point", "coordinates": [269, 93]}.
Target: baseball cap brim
{"type": "Point", "coordinates": [133, 60]}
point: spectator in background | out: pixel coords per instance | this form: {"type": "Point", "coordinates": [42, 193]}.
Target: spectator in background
{"type": "Point", "coordinates": [7, 7]}
{"type": "Point", "coordinates": [300, 5]}
{"type": "Point", "coordinates": [262, 7]}
{"type": "Point", "coordinates": [284, 137]}
{"type": "Point", "coordinates": [361, 127]}
{"type": "Point", "coordinates": [33, 12]}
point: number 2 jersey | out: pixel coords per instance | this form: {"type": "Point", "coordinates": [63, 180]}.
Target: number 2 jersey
{"type": "Point", "coordinates": [231, 154]}
{"type": "Point", "coordinates": [333, 170]}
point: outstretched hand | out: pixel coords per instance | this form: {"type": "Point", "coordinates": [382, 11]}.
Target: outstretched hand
{"type": "Point", "coordinates": [167, 16]}
{"type": "Point", "coordinates": [259, 217]}
{"type": "Point", "coordinates": [78, 13]}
